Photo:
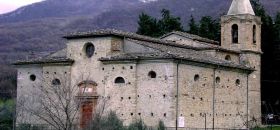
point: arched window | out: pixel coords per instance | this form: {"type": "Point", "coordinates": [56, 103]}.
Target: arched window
{"type": "Point", "coordinates": [32, 77]}
{"type": "Point", "coordinates": [228, 58]}
{"type": "Point", "coordinates": [196, 77]}
{"type": "Point", "coordinates": [89, 49]}
{"type": "Point", "coordinates": [152, 74]}
{"type": "Point", "coordinates": [234, 33]}
{"type": "Point", "coordinates": [254, 34]}
{"type": "Point", "coordinates": [218, 80]}
{"type": "Point", "coordinates": [119, 80]}
{"type": "Point", "coordinates": [237, 82]}
{"type": "Point", "coordinates": [87, 87]}
{"type": "Point", "coordinates": [56, 82]}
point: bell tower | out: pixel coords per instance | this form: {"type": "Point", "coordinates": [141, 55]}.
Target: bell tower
{"type": "Point", "coordinates": [241, 31]}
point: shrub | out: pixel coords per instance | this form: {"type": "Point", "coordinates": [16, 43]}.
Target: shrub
{"type": "Point", "coordinates": [112, 122]}
{"type": "Point", "coordinates": [24, 127]}
{"type": "Point", "coordinates": [6, 113]}
{"type": "Point", "coordinates": [137, 125]}
{"type": "Point", "coordinates": [109, 122]}
{"type": "Point", "coordinates": [161, 125]}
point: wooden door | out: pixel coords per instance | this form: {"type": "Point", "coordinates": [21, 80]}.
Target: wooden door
{"type": "Point", "coordinates": [86, 114]}
{"type": "Point", "coordinates": [88, 96]}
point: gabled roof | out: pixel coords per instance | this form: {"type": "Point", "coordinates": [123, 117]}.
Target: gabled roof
{"type": "Point", "coordinates": [192, 36]}
{"type": "Point", "coordinates": [156, 56]}
{"type": "Point", "coordinates": [130, 35]}
{"type": "Point", "coordinates": [166, 50]}
{"type": "Point", "coordinates": [112, 32]}
{"type": "Point", "coordinates": [58, 58]}
{"type": "Point", "coordinates": [123, 34]}
{"type": "Point", "coordinates": [176, 53]}
{"type": "Point", "coordinates": [53, 60]}
{"type": "Point", "coordinates": [240, 7]}
{"type": "Point", "coordinates": [164, 46]}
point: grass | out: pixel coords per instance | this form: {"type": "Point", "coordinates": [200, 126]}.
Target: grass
{"type": "Point", "coordinates": [268, 128]}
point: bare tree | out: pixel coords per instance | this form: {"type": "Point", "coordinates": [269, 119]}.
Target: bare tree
{"type": "Point", "coordinates": [57, 103]}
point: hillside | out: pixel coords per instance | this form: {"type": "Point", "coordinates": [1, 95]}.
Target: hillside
{"type": "Point", "coordinates": [39, 27]}
{"type": "Point", "coordinates": [65, 8]}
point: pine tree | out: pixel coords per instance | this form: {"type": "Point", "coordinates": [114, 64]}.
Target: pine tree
{"type": "Point", "coordinates": [148, 26]}
{"type": "Point", "coordinates": [169, 23]}
{"type": "Point", "coordinates": [267, 24]}
{"type": "Point", "coordinates": [193, 27]}
{"type": "Point", "coordinates": [209, 28]}
{"type": "Point", "coordinates": [269, 41]}
{"type": "Point", "coordinates": [277, 27]}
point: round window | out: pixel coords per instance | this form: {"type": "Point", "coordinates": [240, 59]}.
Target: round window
{"type": "Point", "coordinates": [89, 49]}
{"type": "Point", "coordinates": [152, 74]}
{"type": "Point", "coordinates": [56, 82]}
{"type": "Point", "coordinates": [196, 77]}
{"type": "Point", "coordinates": [32, 77]}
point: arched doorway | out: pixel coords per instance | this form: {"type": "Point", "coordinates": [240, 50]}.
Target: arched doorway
{"type": "Point", "coordinates": [88, 97]}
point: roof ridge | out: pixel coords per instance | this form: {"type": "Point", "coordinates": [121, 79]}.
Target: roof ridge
{"type": "Point", "coordinates": [193, 37]}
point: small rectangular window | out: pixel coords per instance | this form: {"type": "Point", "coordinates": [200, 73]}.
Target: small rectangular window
{"type": "Point", "coordinates": [116, 45]}
{"type": "Point", "coordinates": [254, 34]}
{"type": "Point", "coordinates": [234, 33]}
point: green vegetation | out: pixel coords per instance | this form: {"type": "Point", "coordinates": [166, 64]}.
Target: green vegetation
{"type": "Point", "coordinates": [207, 26]}
{"type": "Point", "coordinates": [268, 128]}
{"type": "Point", "coordinates": [150, 26]}
{"type": "Point", "coordinates": [6, 114]}
{"type": "Point", "coordinates": [112, 122]}
{"type": "Point", "coordinates": [161, 125]}
{"type": "Point", "coordinates": [8, 83]}
{"type": "Point", "coordinates": [270, 59]}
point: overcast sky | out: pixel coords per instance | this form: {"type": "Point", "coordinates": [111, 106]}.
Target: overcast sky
{"type": "Point", "coordinates": [10, 5]}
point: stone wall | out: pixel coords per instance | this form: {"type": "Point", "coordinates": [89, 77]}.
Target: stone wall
{"type": "Point", "coordinates": [121, 97]}
{"type": "Point", "coordinates": [254, 82]}
{"type": "Point", "coordinates": [250, 55]}
{"type": "Point", "coordinates": [230, 109]}
{"type": "Point", "coordinates": [154, 90]}
{"type": "Point", "coordinates": [28, 80]}
{"type": "Point", "coordinates": [232, 57]}
{"type": "Point", "coordinates": [86, 68]}
{"type": "Point", "coordinates": [157, 95]}
{"type": "Point", "coordinates": [29, 94]}
{"type": "Point", "coordinates": [245, 32]}
{"type": "Point", "coordinates": [197, 85]}
{"type": "Point", "coordinates": [195, 95]}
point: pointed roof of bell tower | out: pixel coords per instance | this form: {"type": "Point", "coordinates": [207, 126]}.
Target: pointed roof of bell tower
{"type": "Point", "coordinates": [240, 7]}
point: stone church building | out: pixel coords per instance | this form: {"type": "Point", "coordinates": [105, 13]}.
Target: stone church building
{"type": "Point", "coordinates": [184, 80]}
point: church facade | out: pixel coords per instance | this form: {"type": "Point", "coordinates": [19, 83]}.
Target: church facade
{"type": "Point", "coordinates": [184, 80]}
